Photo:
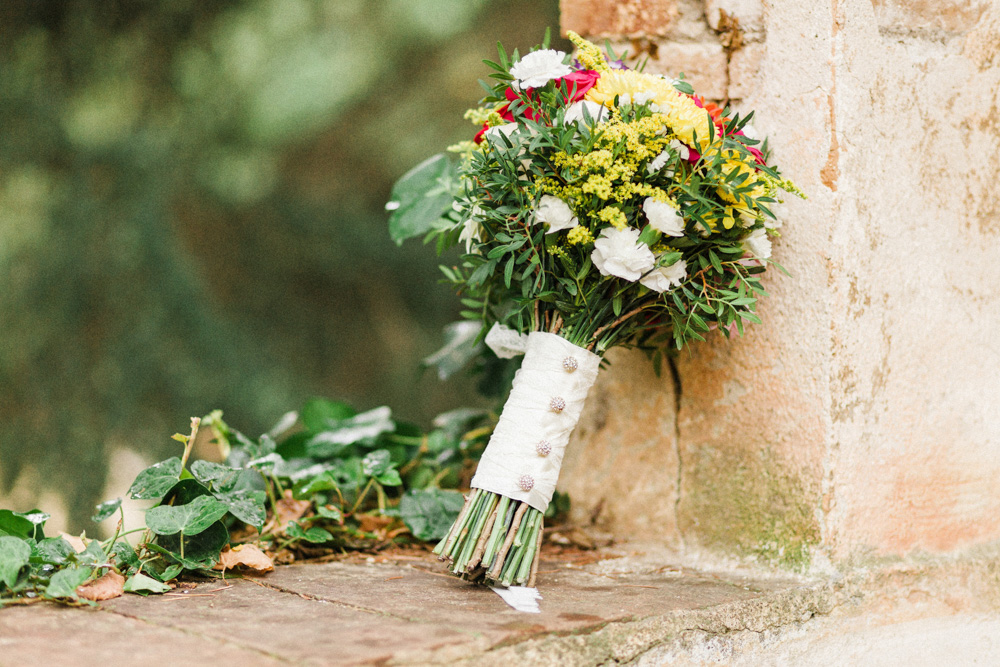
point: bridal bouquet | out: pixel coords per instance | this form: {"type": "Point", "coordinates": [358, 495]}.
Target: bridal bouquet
{"type": "Point", "coordinates": [598, 206]}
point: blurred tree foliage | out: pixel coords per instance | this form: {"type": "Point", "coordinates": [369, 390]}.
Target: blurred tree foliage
{"type": "Point", "coordinates": [191, 213]}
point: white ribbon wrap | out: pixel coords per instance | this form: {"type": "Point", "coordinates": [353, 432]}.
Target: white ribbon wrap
{"type": "Point", "coordinates": [553, 369]}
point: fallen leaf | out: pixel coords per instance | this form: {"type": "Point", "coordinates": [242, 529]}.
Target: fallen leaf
{"type": "Point", "coordinates": [247, 555]}
{"type": "Point", "coordinates": [77, 543]}
{"type": "Point", "coordinates": [373, 522]}
{"type": "Point", "coordinates": [111, 585]}
{"type": "Point", "coordinates": [289, 509]}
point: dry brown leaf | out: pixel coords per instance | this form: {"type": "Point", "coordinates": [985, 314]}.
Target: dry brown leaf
{"type": "Point", "coordinates": [247, 555]}
{"type": "Point", "coordinates": [111, 585]}
{"type": "Point", "coordinates": [289, 509]}
{"type": "Point", "coordinates": [77, 543]}
{"type": "Point", "coordinates": [373, 522]}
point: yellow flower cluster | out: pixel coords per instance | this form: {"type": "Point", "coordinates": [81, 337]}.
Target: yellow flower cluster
{"type": "Point", "coordinates": [613, 216]}
{"type": "Point", "coordinates": [482, 115]}
{"type": "Point", "coordinates": [609, 170]}
{"type": "Point", "coordinates": [684, 118]}
{"type": "Point", "coordinates": [579, 235]}
{"type": "Point", "coordinates": [588, 54]}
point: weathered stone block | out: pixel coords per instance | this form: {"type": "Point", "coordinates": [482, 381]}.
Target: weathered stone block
{"type": "Point", "coordinates": [748, 13]}
{"type": "Point", "coordinates": [629, 18]}
{"type": "Point", "coordinates": [703, 64]}
{"type": "Point", "coordinates": [628, 467]}
{"type": "Point", "coordinates": [744, 70]}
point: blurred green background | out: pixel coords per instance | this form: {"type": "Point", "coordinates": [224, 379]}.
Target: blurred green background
{"type": "Point", "coordinates": [191, 216]}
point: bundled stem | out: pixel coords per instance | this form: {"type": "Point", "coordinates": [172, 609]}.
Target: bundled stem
{"type": "Point", "coordinates": [495, 541]}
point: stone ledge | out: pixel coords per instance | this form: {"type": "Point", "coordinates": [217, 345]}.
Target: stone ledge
{"type": "Point", "coordinates": [632, 607]}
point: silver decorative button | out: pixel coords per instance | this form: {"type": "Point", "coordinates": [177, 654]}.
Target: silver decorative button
{"type": "Point", "coordinates": [557, 404]}
{"type": "Point", "coordinates": [526, 482]}
{"type": "Point", "coordinates": [570, 364]}
{"type": "Point", "coordinates": [544, 448]}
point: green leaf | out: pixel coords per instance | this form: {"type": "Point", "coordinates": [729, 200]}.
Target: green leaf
{"type": "Point", "coordinates": [318, 414]}
{"type": "Point", "coordinates": [362, 428]}
{"type": "Point", "coordinates": [377, 462]}
{"type": "Point", "coordinates": [154, 482]}
{"type": "Point", "coordinates": [246, 505]}
{"type": "Point", "coordinates": [14, 555]}
{"type": "Point", "coordinates": [390, 478]}
{"type": "Point", "coordinates": [198, 549]}
{"type": "Point", "coordinates": [106, 509]}
{"type": "Point", "coordinates": [429, 513]}
{"type": "Point", "coordinates": [171, 572]}
{"type": "Point", "coordinates": [418, 199]}
{"type": "Point", "coordinates": [140, 584]}
{"type": "Point", "coordinates": [460, 347]}
{"type": "Point", "coordinates": [187, 562]}
{"type": "Point", "coordinates": [332, 513]}
{"type": "Point", "coordinates": [64, 582]}
{"type": "Point", "coordinates": [315, 535]}
{"type": "Point", "coordinates": [25, 525]}
{"type": "Point", "coordinates": [124, 556]}
{"type": "Point", "coordinates": [191, 518]}
{"type": "Point", "coordinates": [52, 550]}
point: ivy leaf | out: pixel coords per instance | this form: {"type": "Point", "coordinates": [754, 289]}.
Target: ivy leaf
{"type": "Point", "coordinates": [246, 505]}
{"type": "Point", "coordinates": [429, 513]}
{"type": "Point", "coordinates": [154, 482]}
{"type": "Point", "coordinates": [142, 585]}
{"type": "Point", "coordinates": [390, 478]}
{"type": "Point", "coordinates": [190, 519]}
{"type": "Point", "coordinates": [65, 582]}
{"type": "Point", "coordinates": [319, 414]}
{"type": "Point", "coordinates": [14, 554]}
{"type": "Point", "coordinates": [51, 551]}
{"type": "Point", "coordinates": [201, 551]}
{"type": "Point", "coordinates": [376, 463]}
{"type": "Point", "coordinates": [362, 428]}
{"type": "Point", "coordinates": [315, 535]}
{"type": "Point", "coordinates": [106, 509]}
{"type": "Point", "coordinates": [460, 347]}
{"type": "Point", "coordinates": [24, 525]}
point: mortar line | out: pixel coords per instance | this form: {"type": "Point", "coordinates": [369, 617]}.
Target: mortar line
{"type": "Point", "coordinates": [227, 641]}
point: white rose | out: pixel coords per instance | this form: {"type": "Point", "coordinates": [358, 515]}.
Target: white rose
{"type": "Point", "coordinates": [618, 253]}
{"type": "Point", "coordinates": [539, 67]}
{"type": "Point", "coordinates": [574, 112]}
{"type": "Point", "coordinates": [663, 217]}
{"type": "Point", "coordinates": [666, 277]}
{"type": "Point", "coordinates": [758, 244]}
{"type": "Point", "coordinates": [556, 213]}
{"type": "Point", "coordinates": [493, 134]}
{"type": "Point", "coordinates": [472, 229]}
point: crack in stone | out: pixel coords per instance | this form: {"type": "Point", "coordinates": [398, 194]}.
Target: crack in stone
{"type": "Point", "coordinates": [676, 377]}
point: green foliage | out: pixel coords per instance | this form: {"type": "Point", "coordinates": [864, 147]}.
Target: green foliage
{"type": "Point", "coordinates": [330, 478]}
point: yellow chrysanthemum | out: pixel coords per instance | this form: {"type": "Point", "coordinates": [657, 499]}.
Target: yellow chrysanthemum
{"type": "Point", "coordinates": [685, 118]}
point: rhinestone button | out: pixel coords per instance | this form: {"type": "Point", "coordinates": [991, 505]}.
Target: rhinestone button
{"type": "Point", "coordinates": [525, 482]}
{"type": "Point", "coordinates": [557, 404]}
{"type": "Point", "coordinates": [544, 448]}
{"type": "Point", "coordinates": [570, 364]}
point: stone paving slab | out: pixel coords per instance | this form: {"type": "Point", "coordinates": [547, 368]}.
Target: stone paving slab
{"type": "Point", "coordinates": [636, 610]}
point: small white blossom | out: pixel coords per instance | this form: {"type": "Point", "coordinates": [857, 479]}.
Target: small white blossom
{"type": "Point", "coordinates": [556, 213]}
{"type": "Point", "coordinates": [574, 112]}
{"type": "Point", "coordinates": [750, 132]}
{"type": "Point", "coordinates": [666, 277]}
{"type": "Point", "coordinates": [618, 253]}
{"type": "Point", "coordinates": [539, 67]}
{"type": "Point", "coordinates": [663, 217]}
{"type": "Point", "coordinates": [643, 97]}
{"type": "Point", "coordinates": [472, 229]}
{"type": "Point", "coordinates": [758, 244]}
{"type": "Point", "coordinates": [680, 149]}
{"type": "Point", "coordinates": [657, 162]}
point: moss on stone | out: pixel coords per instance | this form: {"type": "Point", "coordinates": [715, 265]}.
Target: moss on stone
{"type": "Point", "coordinates": [751, 504]}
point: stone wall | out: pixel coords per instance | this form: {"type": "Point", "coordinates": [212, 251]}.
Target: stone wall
{"type": "Point", "coordinates": [857, 420]}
